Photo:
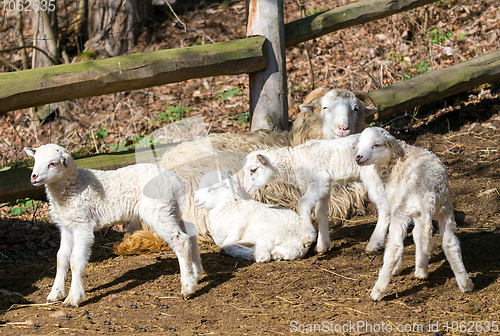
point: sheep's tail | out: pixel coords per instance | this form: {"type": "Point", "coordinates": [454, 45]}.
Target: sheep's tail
{"type": "Point", "coordinates": [240, 251]}
{"type": "Point", "coordinates": [140, 242]}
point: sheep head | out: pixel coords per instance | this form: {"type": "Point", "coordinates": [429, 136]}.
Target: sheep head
{"type": "Point", "coordinates": [377, 146]}
{"type": "Point", "coordinates": [52, 164]}
{"type": "Point", "coordinates": [258, 171]}
{"type": "Point", "coordinates": [214, 187]}
{"type": "Point", "coordinates": [341, 111]}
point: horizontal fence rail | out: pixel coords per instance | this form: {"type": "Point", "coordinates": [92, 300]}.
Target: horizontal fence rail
{"type": "Point", "coordinates": [346, 16]}
{"type": "Point", "coordinates": [437, 84]}
{"type": "Point", "coordinates": [33, 87]}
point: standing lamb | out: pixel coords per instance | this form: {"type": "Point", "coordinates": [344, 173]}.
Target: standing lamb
{"type": "Point", "coordinates": [245, 228]}
{"type": "Point", "coordinates": [191, 160]}
{"type": "Point", "coordinates": [82, 201]}
{"type": "Point", "coordinates": [315, 168]}
{"type": "Point", "coordinates": [417, 188]}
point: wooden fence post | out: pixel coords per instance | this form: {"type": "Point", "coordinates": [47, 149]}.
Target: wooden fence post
{"type": "Point", "coordinates": [268, 88]}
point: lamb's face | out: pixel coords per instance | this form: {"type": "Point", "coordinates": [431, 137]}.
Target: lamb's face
{"type": "Point", "coordinates": [51, 162]}
{"type": "Point", "coordinates": [339, 114]}
{"type": "Point", "coordinates": [206, 198]}
{"type": "Point", "coordinates": [258, 171]}
{"type": "Point", "coordinates": [211, 190]}
{"type": "Point", "coordinates": [373, 147]}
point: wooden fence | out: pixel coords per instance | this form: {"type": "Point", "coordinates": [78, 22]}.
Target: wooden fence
{"type": "Point", "coordinates": [253, 55]}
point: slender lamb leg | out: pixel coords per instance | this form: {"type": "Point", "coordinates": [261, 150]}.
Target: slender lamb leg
{"type": "Point", "coordinates": [315, 192]}
{"type": "Point", "coordinates": [168, 227]}
{"type": "Point", "coordinates": [393, 253]}
{"type": "Point", "coordinates": [304, 209]}
{"type": "Point", "coordinates": [57, 293]}
{"type": "Point", "coordinates": [451, 247]}
{"type": "Point", "coordinates": [83, 240]}
{"type": "Point", "coordinates": [378, 195]}
{"type": "Point", "coordinates": [422, 233]}
{"type": "Point", "coordinates": [324, 240]}
{"type": "Point", "coordinates": [190, 229]}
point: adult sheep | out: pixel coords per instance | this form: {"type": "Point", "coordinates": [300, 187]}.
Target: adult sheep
{"type": "Point", "coordinates": [82, 201]}
{"type": "Point", "coordinates": [191, 160]}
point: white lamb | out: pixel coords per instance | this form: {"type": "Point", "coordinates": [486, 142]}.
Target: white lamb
{"type": "Point", "coordinates": [417, 189]}
{"type": "Point", "coordinates": [83, 201]}
{"type": "Point", "coordinates": [248, 229]}
{"type": "Point", "coordinates": [315, 168]}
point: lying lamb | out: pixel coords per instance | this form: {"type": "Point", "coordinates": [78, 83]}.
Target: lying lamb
{"type": "Point", "coordinates": [248, 229]}
{"type": "Point", "coordinates": [417, 189]}
{"type": "Point", "coordinates": [315, 168]}
{"type": "Point", "coordinates": [83, 201]}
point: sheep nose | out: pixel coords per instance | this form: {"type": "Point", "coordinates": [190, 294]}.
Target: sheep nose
{"type": "Point", "coordinates": [343, 128]}
{"type": "Point", "coordinates": [359, 158]}
{"type": "Point", "coordinates": [34, 177]}
{"type": "Point", "coordinates": [196, 201]}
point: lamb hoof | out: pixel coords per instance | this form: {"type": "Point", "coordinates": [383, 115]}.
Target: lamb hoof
{"type": "Point", "coordinates": [421, 273]}
{"type": "Point", "coordinates": [466, 285]}
{"type": "Point", "coordinates": [54, 297]}
{"type": "Point", "coordinates": [187, 296]}
{"type": "Point", "coordinates": [372, 247]}
{"type": "Point", "coordinates": [188, 291]}
{"type": "Point", "coordinates": [70, 303]}
{"type": "Point", "coordinates": [321, 250]}
{"type": "Point", "coordinates": [376, 294]}
{"type": "Point", "coordinates": [263, 258]}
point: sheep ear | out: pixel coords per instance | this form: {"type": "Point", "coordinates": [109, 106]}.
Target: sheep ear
{"type": "Point", "coordinates": [368, 110]}
{"type": "Point", "coordinates": [262, 159]}
{"type": "Point", "coordinates": [30, 151]}
{"type": "Point", "coordinates": [309, 107]}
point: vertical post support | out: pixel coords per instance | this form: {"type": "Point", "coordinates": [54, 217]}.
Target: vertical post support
{"type": "Point", "coordinates": [268, 88]}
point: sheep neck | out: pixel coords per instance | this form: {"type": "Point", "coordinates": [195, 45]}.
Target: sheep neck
{"type": "Point", "coordinates": [226, 205]}
{"type": "Point", "coordinates": [63, 188]}
{"type": "Point", "coordinates": [282, 162]}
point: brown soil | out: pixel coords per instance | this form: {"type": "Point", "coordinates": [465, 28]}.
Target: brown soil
{"type": "Point", "coordinates": [136, 294]}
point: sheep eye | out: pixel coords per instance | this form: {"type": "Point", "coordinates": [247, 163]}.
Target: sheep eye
{"type": "Point", "coordinates": [52, 164]}
{"type": "Point", "coordinates": [376, 145]}
{"type": "Point", "coordinates": [253, 170]}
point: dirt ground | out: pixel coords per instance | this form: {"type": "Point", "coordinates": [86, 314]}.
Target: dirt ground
{"type": "Point", "coordinates": [327, 294]}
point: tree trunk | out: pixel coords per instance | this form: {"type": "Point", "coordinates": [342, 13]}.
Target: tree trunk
{"type": "Point", "coordinates": [117, 23]}
{"type": "Point", "coordinates": [45, 32]}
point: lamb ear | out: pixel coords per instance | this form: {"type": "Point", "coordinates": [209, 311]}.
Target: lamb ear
{"type": "Point", "coordinates": [30, 151]}
{"type": "Point", "coordinates": [64, 159]}
{"type": "Point", "coordinates": [262, 159]}
{"type": "Point", "coordinates": [309, 107]}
